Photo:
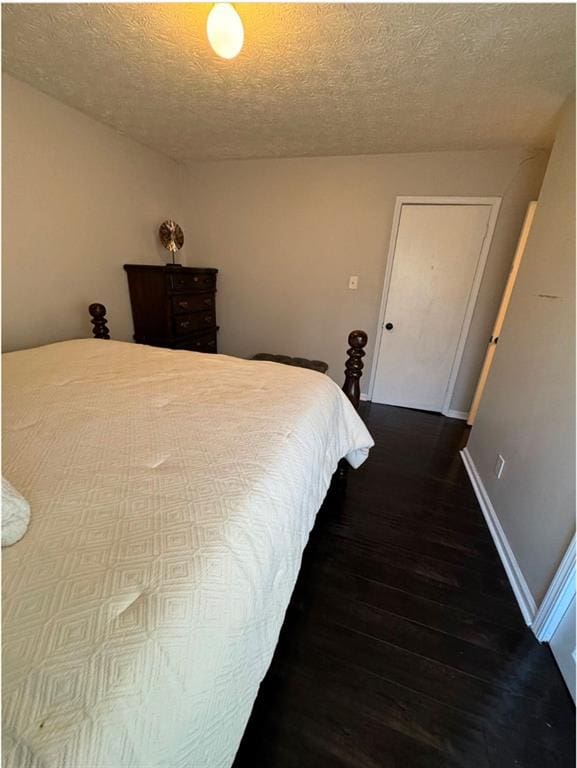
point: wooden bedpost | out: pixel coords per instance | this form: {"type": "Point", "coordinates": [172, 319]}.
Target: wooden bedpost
{"type": "Point", "coordinates": [354, 366]}
{"type": "Point", "coordinates": [352, 389]}
{"type": "Point", "coordinates": [98, 314]}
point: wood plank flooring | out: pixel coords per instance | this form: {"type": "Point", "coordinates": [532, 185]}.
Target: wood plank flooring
{"type": "Point", "coordinates": [403, 644]}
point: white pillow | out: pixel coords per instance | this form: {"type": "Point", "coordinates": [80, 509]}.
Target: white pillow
{"type": "Point", "coordinates": [15, 514]}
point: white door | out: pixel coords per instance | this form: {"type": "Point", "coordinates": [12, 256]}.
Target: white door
{"type": "Point", "coordinates": [563, 647]}
{"type": "Point", "coordinates": [438, 260]}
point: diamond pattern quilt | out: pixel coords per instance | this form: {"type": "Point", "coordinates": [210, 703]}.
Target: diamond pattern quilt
{"type": "Point", "coordinates": [172, 494]}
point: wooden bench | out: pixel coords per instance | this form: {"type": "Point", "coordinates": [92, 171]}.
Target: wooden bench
{"type": "Point", "coordinates": [300, 362]}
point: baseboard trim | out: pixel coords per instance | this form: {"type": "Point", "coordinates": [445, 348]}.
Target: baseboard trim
{"type": "Point", "coordinates": [510, 564]}
{"type": "Point", "coordinates": [557, 598]}
{"type": "Point", "coordinates": [452, 414]}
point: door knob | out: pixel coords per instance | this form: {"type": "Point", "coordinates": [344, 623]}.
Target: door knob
{"type": "Point", "coordinates": [389, 326]}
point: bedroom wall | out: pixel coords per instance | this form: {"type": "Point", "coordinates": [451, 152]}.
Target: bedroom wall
{"type": "Point", "coordinates": [528, 409]}
{"type": "Point", "coordinates": [79, 200]}
{"type": "Point", "coordinates": [286, 234]}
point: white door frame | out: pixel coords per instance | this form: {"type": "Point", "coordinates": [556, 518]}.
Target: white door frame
{"type": "Point", "coordinates": [495, 204]}
{"type": "Point", "coordinates": [557, 598]}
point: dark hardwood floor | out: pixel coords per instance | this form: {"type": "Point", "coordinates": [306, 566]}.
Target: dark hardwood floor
{"type": "Point", "coordinates": [403, 644]}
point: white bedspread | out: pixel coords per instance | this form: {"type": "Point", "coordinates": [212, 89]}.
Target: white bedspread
{"type": "Point", "coordinates": [172, 495]}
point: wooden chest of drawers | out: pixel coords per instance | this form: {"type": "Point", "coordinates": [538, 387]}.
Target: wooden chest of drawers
{"type": "Point", "coordinates": [173, 307]}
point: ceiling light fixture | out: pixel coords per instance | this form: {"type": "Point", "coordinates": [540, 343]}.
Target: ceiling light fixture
{"type": "Point", "coordinates": [224, 30]}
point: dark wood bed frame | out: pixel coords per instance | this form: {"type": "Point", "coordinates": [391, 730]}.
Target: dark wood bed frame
{"type": "Point", "coordinates": [353, 366]}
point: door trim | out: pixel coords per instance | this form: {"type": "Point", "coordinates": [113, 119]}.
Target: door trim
{"type": "Point", "coordinates": [557, 598]}
{"type": "Point", "coordinates": [495, 204]}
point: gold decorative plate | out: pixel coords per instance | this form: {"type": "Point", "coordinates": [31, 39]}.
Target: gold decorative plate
{"type": "Point", "coordinates": [171, 236]}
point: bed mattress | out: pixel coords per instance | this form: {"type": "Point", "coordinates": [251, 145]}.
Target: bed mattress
{"type": "Point", "coordinates": [172, 495]}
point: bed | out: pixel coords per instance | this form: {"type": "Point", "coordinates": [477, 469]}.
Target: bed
{"type": "Point", "coordinates": [172, 495]}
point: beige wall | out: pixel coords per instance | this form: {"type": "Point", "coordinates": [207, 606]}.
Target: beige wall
{"type": "Point", "coordinates": [79, 200]}
{"type": "Point", "coordinates": [286, 235]}
{"type": "Point", "coordinates": [528, 409]}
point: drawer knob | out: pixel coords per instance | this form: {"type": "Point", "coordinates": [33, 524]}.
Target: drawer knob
{"type": "Point", "coordinates": [208, 302]}
{"type": "Point", "coordinates": [184, 323]}
{"type": "Point", "coordinates": [208, 319]}
{"type": "Point", "coordinates": [195, 279]}
{"type": "Point", "coordinates": [183, 304]}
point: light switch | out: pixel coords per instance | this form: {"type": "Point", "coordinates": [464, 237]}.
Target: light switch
{"type": "Point", "coordinates": [353, 282]}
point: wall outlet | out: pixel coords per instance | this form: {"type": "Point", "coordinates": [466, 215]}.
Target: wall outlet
{"type": "Point", "coordinates": [499, 464]}
{"type": "Point", "coordinates": [353, 282]}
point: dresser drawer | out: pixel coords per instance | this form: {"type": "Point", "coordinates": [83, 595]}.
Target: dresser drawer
{"type": "Point", "coordinates": [184, 324]}
{"type": "Point", "coordinates": [186, 283]}
{"type": "Point", "coordinates": [202, 342]}
{"type": "Point", "coordinates": [185, 304]}
{"type": "Point", "coordinates": [173, 307]}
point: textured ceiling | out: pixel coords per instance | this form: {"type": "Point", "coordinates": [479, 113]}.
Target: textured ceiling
{"type": "Point", "coordinates": [312, 79]}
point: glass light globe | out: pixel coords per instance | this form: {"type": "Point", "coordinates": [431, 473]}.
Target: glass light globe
{"type": "Point", "coordinates": [224, 30]}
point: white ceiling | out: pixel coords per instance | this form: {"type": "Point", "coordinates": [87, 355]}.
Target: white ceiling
{"type": "Point", "coordinates": [312, 79]}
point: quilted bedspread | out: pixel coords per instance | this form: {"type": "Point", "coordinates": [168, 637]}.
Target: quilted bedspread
{"type": "Point", "coordinates": [172, 494]}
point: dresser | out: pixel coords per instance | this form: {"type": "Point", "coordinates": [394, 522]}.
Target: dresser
{"type": "Point", "coordinates": [173, 307]}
